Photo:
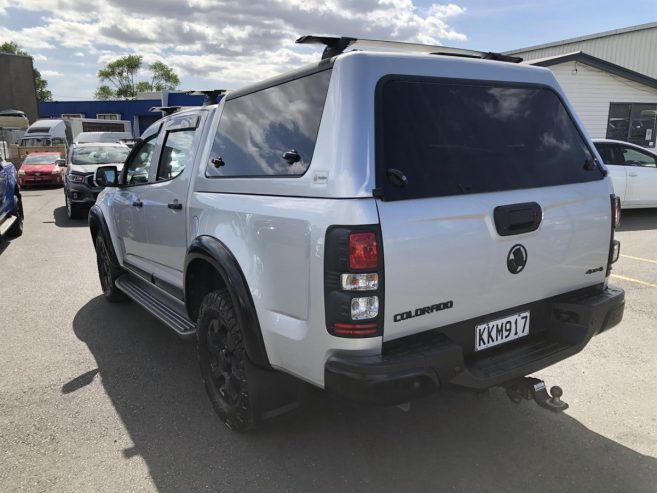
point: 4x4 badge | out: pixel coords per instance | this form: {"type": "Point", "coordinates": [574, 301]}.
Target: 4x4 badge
{"type": "Point", "coordinates": [517, 259]}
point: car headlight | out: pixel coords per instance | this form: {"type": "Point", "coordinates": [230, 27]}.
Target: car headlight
{"type": "Point", "coordinates": [56, 170]}
{"type": "Point", "coordinates": [21, 172]}
{"type": "Point", "coordinates": [74, 178]}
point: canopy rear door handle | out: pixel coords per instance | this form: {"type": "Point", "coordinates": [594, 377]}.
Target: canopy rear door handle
{"type": "Point", "coordinates": [516, 219]}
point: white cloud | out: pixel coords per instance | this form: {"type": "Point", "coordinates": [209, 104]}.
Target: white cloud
{"type": "Point", "coordinates": [51, 73]}
{"type": "Point", "coordinates": [227, 40]}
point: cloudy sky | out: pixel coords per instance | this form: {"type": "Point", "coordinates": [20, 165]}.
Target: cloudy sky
{"type": "Point", "coordinates": [225, 43]}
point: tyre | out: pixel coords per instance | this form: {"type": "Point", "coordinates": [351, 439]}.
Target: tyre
{"type": "Point", "coordinates": [108, 272]}
{"type": "Point", "coordinates": [16, 229]}
{"type": "Point", "coordinates": [73, 211]}
{"type": "Point", "coordinates": [223, 361]}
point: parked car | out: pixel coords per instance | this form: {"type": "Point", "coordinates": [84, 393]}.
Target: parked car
{"type": "Point", "coordinates": [11, 205]}
{"type": "Point", "coordinates": [80, 187]}
{"type": "Point", "coordinates": [633, 171]}
{"type": "Point", "coordinates": [42, 168]}
{"type": "Point", "coordinates": [380, 225]}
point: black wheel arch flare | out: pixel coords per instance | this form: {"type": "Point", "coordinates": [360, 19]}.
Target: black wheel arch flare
{"type": "Point", "coordinates": [97, 224]}
{"type": "Point", "coordinates": [214, 252]}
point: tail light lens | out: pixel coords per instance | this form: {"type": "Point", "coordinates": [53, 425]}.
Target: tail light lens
{"type": "Point", "coordinates": [353, 298]}
{"type": "Point", "coordinates": [617, 211]}
{"type": "Point", "coordinates": [363, 253]}
{"type": "Point", "coordinates": [614, 245]}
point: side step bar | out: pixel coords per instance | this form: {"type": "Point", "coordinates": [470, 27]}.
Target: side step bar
{"type": "Point", "coordinates": [164, 307]}
{"type": "Point", "coordinates": [4, 227]}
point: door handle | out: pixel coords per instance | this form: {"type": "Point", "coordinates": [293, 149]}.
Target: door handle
{"type": "Point", "coordinates": [515, 219]}
{"type": "Point", "coordinates": [137, 203]}
{"type": "Point", "coordinates": [176, 206]}
{"type": "Point", "coordinates": [633, 174]}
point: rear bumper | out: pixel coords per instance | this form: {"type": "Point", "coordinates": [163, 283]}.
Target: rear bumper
{"type": "Point", "coordinates": [422, 365]}
{"type": "Point", "coordinates": [27, 180]}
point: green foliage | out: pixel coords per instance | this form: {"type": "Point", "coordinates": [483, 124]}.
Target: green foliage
{"type": "Point", "coordinates": [41, 84]}
{"type": "Point", "coordinates": [120, 75]}
{"type": "Point", "coordinates": [104, 92]}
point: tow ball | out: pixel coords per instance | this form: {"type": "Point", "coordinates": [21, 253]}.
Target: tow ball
{"type": "Point", "coordinates": [532, 388]}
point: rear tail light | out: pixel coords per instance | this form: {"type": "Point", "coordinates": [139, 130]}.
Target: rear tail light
{"type": "Point", "coordinates": [614, 245]}
{"type": "Point", "coordinates": [617, 211]}
{"type": "Point", "coordinates": [353, 298]}
{"type": "Point", "coordinates": [615, 251]}
{"type": "Point", "coordinates": [355, 330]}
{"type": "Point", "coordinates": [363, 252]}
{"type": "Point", "coordinates": [359, 282]}
{"type": "Point", "coordinates": [364, 308]}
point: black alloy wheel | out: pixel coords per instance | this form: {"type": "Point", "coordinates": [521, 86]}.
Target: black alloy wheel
{"type": "Point", "coordinates": [223, 361]}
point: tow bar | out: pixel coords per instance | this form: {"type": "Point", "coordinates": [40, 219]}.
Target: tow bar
{"type": "Point", "coordinates": [532, 388]}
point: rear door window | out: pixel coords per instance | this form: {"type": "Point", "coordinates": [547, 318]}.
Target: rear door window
{"type": "Point", "coordinates": [444, 137]}
{"type": "Point", "coordinates": [257, 129]}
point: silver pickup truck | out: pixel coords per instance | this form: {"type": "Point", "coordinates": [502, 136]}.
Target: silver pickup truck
{"type": "Point", "coordinates": [381, 224]}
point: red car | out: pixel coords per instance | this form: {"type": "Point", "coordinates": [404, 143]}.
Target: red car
{"type": "Point", "coordinates": [42, 168]}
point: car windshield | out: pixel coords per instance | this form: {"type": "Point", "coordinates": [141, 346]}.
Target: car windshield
{"type": "Point", "coordinates": [99, 155]}
{"type": "Point", "coordinates": [36, 142]}
{"type": "Point", "coordinates": [40, 159]}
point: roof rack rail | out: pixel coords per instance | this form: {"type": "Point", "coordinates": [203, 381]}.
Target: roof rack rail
{"type": "Point", "coordinates": [335, 45]}
{"type": "Point", "coordinates": [167, 110]}
{"type": "Point", "coordinates": [210, 95]}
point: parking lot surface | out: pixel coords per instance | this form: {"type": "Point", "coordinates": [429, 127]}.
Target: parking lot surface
{"type": "Point", "coordinates": [101, 397]}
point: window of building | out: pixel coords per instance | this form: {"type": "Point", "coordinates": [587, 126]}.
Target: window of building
{"type": "Point", "coordinates": [68, 116]}
{"type": "Point", "coordinates": [108, 116]}
{"type": "Point", "coordinates": [632, 122]}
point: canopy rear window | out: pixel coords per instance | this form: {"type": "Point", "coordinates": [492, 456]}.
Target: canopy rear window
{"type": "Point", "coordinates": [448, 137]}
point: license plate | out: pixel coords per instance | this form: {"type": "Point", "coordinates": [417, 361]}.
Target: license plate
{"type": "Point", "coordinates": [495, 332]}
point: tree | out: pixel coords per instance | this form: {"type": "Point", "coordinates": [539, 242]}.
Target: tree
{"type": "Point", "coordinates": [104, 92]}
{"type": "Point", "coordinates": [41, 84]}
{"type": "Point", "coordinates": [121, 73]}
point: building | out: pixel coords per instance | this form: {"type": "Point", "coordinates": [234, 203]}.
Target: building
{"type": "Point", "coordinates": [17, 90]}
{"type": "Point", "coordinates": [610, 78]}
{"type": "Point", "coordinates": [136, 111]}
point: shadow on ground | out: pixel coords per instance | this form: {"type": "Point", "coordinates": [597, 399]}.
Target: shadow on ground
{"type": "Point", "coordinates": [61, 219]}
{"type": "Point", "coordinates": [638, 219]}
{"type": "Point", "coordinates": [4, 243]}
{"type": "Point", "coordinates": [449, 442]}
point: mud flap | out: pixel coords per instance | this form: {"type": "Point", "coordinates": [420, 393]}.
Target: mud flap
{"type": "Point", "coordinates": [272, 392]}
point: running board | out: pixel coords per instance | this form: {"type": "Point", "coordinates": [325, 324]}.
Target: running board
{"type": "Point", "coordinates": [164, 307]}
{"type": "Point", "coordinates": [5, 226]}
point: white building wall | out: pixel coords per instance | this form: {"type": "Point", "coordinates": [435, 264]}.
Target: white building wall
{"type": "Point", "coordinates": [590, 91]}
{"type": "Point", "coordinates": [635, 50]}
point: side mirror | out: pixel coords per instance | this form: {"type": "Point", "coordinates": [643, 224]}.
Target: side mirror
{"type": "Point", "coordinates": [61, 163]}
{"type": "Point", "coordinates": [107, 176]}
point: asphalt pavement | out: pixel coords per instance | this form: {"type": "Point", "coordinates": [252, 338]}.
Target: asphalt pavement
{"type": "Point", "coordinates": [101, 397]}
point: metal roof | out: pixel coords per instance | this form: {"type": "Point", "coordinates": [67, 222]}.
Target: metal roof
{"type": "Point", "coordinates": [599, 63]}
{"type": "Point", "coordinates": [604, 34]}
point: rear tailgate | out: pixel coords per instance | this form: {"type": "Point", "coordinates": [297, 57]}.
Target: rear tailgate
{"type": "Point", "coordinates": [451, 153]}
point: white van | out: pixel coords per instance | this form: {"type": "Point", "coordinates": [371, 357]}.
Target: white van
{"type": "Point", "coordinates": [46, 133]}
